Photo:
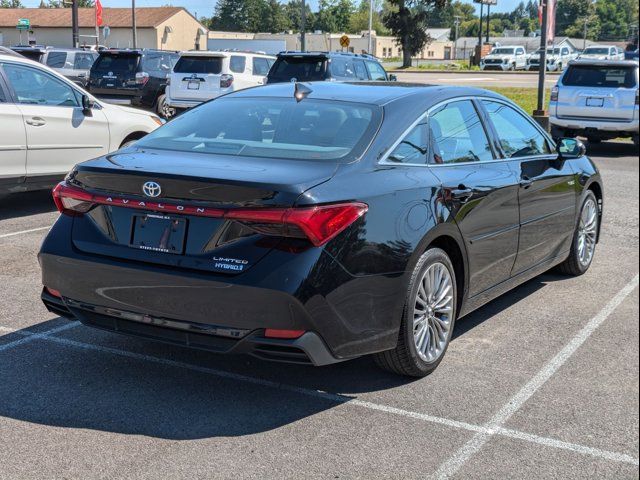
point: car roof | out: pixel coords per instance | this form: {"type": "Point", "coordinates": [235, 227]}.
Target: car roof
{"type": "Point", "coordinates": [322, 53]}
{"type": "Point", "coordinates": [222, 53]}
{"type": "Point", "coordinates": [509, 46]}
{"type": "Point", "coordinates": [604, 63]}
{"type": "Point", "coordinates": [376, 93]}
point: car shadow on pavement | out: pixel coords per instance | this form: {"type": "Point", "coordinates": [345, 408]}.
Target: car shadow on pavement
{"type": "Point", "coordinates": [25, 204]}
{"type": "Point", "coordinates": [612, 149]}
{"type": "Point", "coordinates": [137, 389]}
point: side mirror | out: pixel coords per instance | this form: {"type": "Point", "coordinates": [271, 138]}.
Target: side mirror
{"type": "Point", "coordinates": [393, 77]}
{"type": "Point", "coordinates": [571, 148]}
{"type": "Point", "coordinates": [87, 103]}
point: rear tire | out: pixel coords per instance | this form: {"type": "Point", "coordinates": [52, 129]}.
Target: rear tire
{"type": "Point", "coordinates": [428, 318]}
{"type": "Point", "coordinates": [164, 110]}
{"type": "Point", "coordinates": [584, 237]}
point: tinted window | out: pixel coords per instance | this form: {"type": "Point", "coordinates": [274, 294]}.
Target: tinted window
{"type": "Point", "coordinates": [84, 61]}
{"type": "Point", "coordinates": [157, 63]}
{"type": "Point", "coordinates": [413, 148]}
{"type": "Point", "coordinates": [303, 69]}
{"type": "Point", "coordinates": [361, 71]}
{"type": "Point", "coordinates": [56, 59]}
{"type": "Point", "coordinates": [457, 135]}
{"type": "Point", "coordinates": [35, 88]}
{"type": "Point", "coordinates": [271, 128]}
{"type": "Point", "coordinates": [260, 66]}
{"type": "Point", "coordinates": [600, 76]}
{"type": "Point", "coordinates": [199, 64]}
{"type": "Point", "coordinates": [517, 134]}
{"type": "Point", "coordinates": [122, 64]}
{"type": "Point", "coordinates": [376, 71]}
{"type": "Point", "coordinates": [342, 68]}
{"type": "Point", "coordinates": [502, 51]}
{"type": "Point", "coordinates": [3, 97]}
{"type": "Point", "coordinates": [237, 63]}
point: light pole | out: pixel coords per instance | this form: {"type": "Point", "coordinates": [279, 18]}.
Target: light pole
{"type": "Point", "coordinates": [133, 24]}
{"type": "Point", "coordinates": [370, 25]}
{"type": "Point", "coordinates": [455, 38]}
{"type": "Point", "coordinates": [303, 26]}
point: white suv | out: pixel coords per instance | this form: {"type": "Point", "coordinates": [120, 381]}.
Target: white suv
{"type": "Point", "coordinates": [596, 99]}
{"type": "Point", "coordinates": [199, 76]}
{"type": "Point", "coordinates": [48, 124]}
{"type": "Point", "coordinates": [505, 58]}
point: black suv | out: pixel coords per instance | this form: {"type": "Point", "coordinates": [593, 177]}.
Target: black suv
{"type": "Point", "coordinates": [133, 77]}
{"type": "Point", "coordinates": [319, 66]}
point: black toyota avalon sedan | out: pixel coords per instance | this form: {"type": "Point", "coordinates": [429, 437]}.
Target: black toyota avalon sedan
{"type": "Point", "coordinates": [314, 223]}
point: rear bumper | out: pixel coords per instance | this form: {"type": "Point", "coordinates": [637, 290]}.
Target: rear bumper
{"type": "Point", "coordinates": [180, 103]}
{"type": "Point", "coordinates": [585, 124]}
{"type": "Point", "coordinates": [308, 349]}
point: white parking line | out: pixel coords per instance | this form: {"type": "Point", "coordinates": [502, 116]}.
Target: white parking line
{"type": "Point", "coordinates": [13, 234]}
{"type": "Point", "coordinates": [453, 464]}
{"type": "Point", "coordinates": [333, 397]}
{"type": "Point", "coordinates": [30, 337]}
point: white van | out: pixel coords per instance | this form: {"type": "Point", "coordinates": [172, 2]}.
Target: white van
{"type": "Point", "coordinates": [199, 76]}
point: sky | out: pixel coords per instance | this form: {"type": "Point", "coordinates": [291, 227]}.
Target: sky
{"type": "Point", "coordinates": [204, 8]}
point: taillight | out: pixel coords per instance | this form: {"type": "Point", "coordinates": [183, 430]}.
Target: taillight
{"type": "Point", "coordinates": [554, 94]}
{"type": "Point", "coordinates": [142, 78]}
{"type": "Point", "coordinates": [318, 223]}
{"type": "Point", "coordinates": [226, 80]}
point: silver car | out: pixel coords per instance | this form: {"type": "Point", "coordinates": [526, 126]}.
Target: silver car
{"type": "Point", "coordinates": [597, 99]}
{"type": "Point", "coordinates": [73, 64]}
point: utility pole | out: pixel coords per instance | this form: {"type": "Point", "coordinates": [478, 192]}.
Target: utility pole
{"type": "Point", "coordinates": [133, 24]}
{"type": "Point", "coordinates": [455, 40]}
{"type": "Point", "coordinates": [303, 27]}
{"type": "Point", "coordinates": [584, 37]}
{"type": "Point", "coordinates": [488, 17]}
{"type": "Point", "coordinates": [370, 25]}
{"type": "Point", "coordinates": [540, 114]}
{"type": "Point", "coordinates": [480, 30]}
{"type": "Point", "coordinates": [75, 30]}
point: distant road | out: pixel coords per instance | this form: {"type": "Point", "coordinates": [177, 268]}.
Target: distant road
{"type": "Point", "coordinates": [477, 79]}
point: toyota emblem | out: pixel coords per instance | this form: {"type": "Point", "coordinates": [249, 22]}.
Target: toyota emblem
{"type": "Point", "coordinates": [151, 189]}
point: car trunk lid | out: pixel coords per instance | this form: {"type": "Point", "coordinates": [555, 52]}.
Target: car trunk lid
{"type": "Point", "coordinates": [115, 73]}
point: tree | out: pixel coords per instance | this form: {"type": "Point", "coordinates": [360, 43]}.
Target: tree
{"type": "Point", "coordinates": [408, 21]}
{"type": "Point", "coordinates": [275, 19]}
{"type": "Point", "coordinates": [359, 20]}
{"type": "Point", "coordinates": [293, 11]}
{"type": "Point", "coordinates": [615, 18]}
{"type": "Point", "coordinates": [62, 4]}
{"type": "Point", "coordinates": [11, 4]}
{"type": "Point", "coordinates": [230, 16]}
{"type": "Point", "coordinates": [333, 15]}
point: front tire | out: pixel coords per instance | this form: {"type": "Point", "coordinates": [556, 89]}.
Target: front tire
{"type": "Point", "coordinates": [164, 110]}
{"type": "Point", "coordinates": [584, 239]}
{"type": "Point", "coordinates": [428, 318]}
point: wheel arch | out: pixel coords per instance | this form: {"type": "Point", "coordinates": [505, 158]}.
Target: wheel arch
{"type": "Point", "coordinates": [596, 188]}
{"type": "Point", "coordinates": [131, 137]}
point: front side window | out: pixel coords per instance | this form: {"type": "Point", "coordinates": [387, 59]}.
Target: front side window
{"type": "Point", "coordinates": [457, 135]}
{"type": "Point", "coordinates": [342, 68]}
{"type": "Point", "coordinates": [518, 135]}
{"type": "Point", "coordinates": [36, 88]}
{"type": "Point", "coordinates": [237, 63]}
{"type": "Point", "coordinates": [414, 146]}
{"type": "Point", "coordinates": [271, 128]}
{"type": "Point", "coordinates": [56, 59]}
{"type": "Point", "coordinates": [376, 71]}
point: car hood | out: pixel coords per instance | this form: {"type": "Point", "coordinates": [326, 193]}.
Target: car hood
{"type": "Point", "coordinates": [496, 56]}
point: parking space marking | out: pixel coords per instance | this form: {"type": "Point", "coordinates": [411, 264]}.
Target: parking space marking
{"type": "Point", "coordinates": [31, 230]}
{"type": "Point", "coordinates": [29, 337]}
{"type": "Point", "coordinates": [453, 464]}
{"type": "Point", "coordinates": [334, 397]}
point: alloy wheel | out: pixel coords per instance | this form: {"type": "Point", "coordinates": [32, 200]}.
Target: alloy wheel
{"type": "Point", "coordinates": [433, 311]}
{"type": "Point", "coordinates": [587, 232]}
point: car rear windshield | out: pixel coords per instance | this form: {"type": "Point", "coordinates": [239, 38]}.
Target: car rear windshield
{"type": "Point", "coordinates": [271, 128]}
{"type": "Point", "coordinates": [198, 64]}
{"type": "Point", "coordinates": [117, 63]}
{"type": "Point", "coordinates": [600, 76]}
{"type": "Point", "coordinates": [302, 69]}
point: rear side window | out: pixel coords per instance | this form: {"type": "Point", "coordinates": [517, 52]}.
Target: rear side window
{"type": "Point", "coordinates": [260, 66]}
{"type": "Point", "coordinates": [237, 63]}
{"type": "Point", "coordinates": [303, 69]}
{"type": "Point", "coordinates": [157, 63]}
{"type": "Point", "coordinates": [267, 127]}
{"type": "Point", "coordinates": [3, 97]}
{"type": "Point", "coordinates": [199, 64]}
{"type": "Point", "coordinates": [376, 71]}
{"type": "Point", "coordinates": [56, 59]}
{"type": "Point", "coordinates": [122, 64]}
{"type": "Point", "coordinates": [413, 147]}
{"type": "Point", "coordinates": [361, 71]}
{"type": "Point", "coordinates": [600, 76]}
{"type": "Point", "coordinates": [84, 61]}
{"type": "Point", "coordinates": [342, 69]}
{"type": "Point", "coordinates": [517, 134]}
{"type": "Point", "coordinates": [457, 135]}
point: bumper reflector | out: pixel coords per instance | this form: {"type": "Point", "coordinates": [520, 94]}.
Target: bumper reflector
{"type": "Point", "coordinates": [282, 334]}
{"type": "Point", "coordinates": [53, 292]}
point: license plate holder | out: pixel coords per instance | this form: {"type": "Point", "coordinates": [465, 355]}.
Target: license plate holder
{"type": "Point", "coordinates": [595, 102]}
{"type": "Point", "coordinates": [193, 85]}
{"type": "Point", "coordinates": [159, 233]}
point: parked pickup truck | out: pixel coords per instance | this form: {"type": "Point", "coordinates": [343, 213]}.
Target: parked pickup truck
{"type": "Point", "coordinates": [508, 57]}
{"type": "Point", "coordinates": [557, 59]}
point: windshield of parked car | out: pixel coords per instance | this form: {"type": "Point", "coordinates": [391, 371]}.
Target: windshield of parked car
{"type": "Point", "coordinates": [597, 51]}
{"type": "Point", "coordinates": [302, 68]}
{"type": "Point", "coordinates": [271, 128]}
{"type": "Point", "coordinates": [116, 63]}
{"type": "Point", "coordinates": [198, 64]}
{"type": "Point", "coordinates": [600, 76]}
{"type": "Point", "coordinates": [502, 51]}
{"type": "Point", "coordinates": [550, 51]}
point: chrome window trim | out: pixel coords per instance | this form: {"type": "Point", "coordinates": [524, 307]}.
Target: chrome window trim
{"type": "Point", "coordinates": [384, 160]}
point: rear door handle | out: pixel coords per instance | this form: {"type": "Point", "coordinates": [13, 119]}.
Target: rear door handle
{"type": "Point", "coordinates": [526, 182]}
{"type": "Point", "coordinates": [36, 121]}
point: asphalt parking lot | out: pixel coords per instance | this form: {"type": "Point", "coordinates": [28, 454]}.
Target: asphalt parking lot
{"type": "Point", "coordinates": [541, 383]}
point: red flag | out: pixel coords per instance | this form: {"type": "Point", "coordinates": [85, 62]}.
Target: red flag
{"type": "Point", "coordinates": [98, 13]}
